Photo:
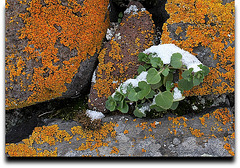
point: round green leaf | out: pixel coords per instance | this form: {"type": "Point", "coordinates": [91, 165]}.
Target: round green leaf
{"type": "Point", "coordinates": [196, 81]}
{"type": "Point", "coordinates": [153, 76]}
{"type": "Point", "coordinates": [174, 105]}
{"type": "Point", "coordinates": [176, 60]}
{"type": "Point", "coordinates": [205, 69]}
{"type": "Point", "coordinates": [138, 113]}
{"type": "Point", "coordinates": [132, 96]}
{"type": "Point", "coordinates": [151, 94]}
{"type": "Point", "coordinates": [123, 107]}
{"type": "Point", "coordinates": [156, 61]}
{"type": "Point", "coordinates": [157, 85]}
{"type": "Point", "coordinates": [120, 15]}
{"type": "Point", "coordinates": [165, 72]}
{"type": "Point", "coordinates": [145, 89]}
{"type": "Point", "coordinates": [164, 99]}
{"type": "Point", "coordinates": [169, 85]}
{"type": "Point", "coordinates": [157, 108]}
{"type": "Point", "coordinates": [185, 84]}
{"type": "Point", "coordinates": [187, 74]}
{"type": "Point", "coordinates": [141, 69]}
{"type": "Point", "coordinates": [141, 56]}
{"type": "Point", "coordinates": [110, 104]}
{"type": "Point", "coordinates": [118, 96]}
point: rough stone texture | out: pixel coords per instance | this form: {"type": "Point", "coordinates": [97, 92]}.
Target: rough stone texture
{"type": "Point", "coordinates": [51, 48]}
{"type": "Point", "coordinates": [205, 135]}
{"type": "Point", "coordinates": [206, 29]}
{"type": "Point", "coordinates": [118, 61]}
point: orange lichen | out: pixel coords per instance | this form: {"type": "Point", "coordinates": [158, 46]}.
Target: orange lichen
{"type": "Point", "coordinates": [196, 132]}
{"type": "Point", "coordinates": [179, 30]}
{"type": "Point", "coordinates": [142, 125]}
{"type": "Point", "coordinates": [144, 150]}
{"type": "Point", "coordinates": [40, 135]}
{"type": "Point", "coordinates": [175, 120]}
{"type": "Point", "coordinates": [227, 146]}
{"type": "Point", "coordinates": [94, 138]}
{"type": "Point", "coordinates": [45, 26]}
{"type": "Point", "coordinates": [115, 150]}
{"type": "Point", "coordinates": [211, 25]}
{"type": "Point", "coordinates": [112, 70]}
{"type": "Point", "coordinates": [51, 135]}
{"type": "Point", "coordinates": [222, 115]}
{"type": "Point", "coordinates": [202, 119]}
{"type": "Point", "coordinates": [125, 132]}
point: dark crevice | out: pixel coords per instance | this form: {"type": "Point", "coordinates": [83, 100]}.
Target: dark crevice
{"type": "Point", "coordinates": [155, 7]}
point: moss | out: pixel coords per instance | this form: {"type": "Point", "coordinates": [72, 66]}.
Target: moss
{"type": "Point", "coordinates": [209, 24]}
{"type": "Point", "coordinates": [83, 34]}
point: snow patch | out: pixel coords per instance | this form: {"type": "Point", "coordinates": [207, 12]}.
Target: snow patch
{"type": "Point", "coordinates": [131, 8]}
{"type": "Point", "coordinates": [145, 108]}
{"type": "Point", "coordinates": [94, 115]}
{"type": "Point", "coordinates": [110, 33]}
{"type": "Point", "coordinates": [134, 82]}
{"type": "Point", "coordinates": [94, 77]}
{"type": "Point", "coordinates": [165, 51]}
{"type": "Point", "coordinates": [177, 94]}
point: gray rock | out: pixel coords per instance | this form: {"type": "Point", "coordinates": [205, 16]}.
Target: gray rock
{"type": "Point", "coordinates": [176, 141]}
{"type": "Point", "coordinates": [191, 138]}
{"type": "Point", "coordinates": [42, 66]}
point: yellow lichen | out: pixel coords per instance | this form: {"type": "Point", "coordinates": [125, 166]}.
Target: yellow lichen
{"type": "Point", "coordinates": [211, 25]}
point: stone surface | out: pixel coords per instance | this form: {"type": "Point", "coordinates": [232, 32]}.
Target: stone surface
{"type": "Point", "coordinates": [206, 29]}
{"type": "Point", "coordinates": [118, 60]}
{"type": "Point", "coordinates": [205, 135]}
{"type": "Point", "coordinates": [51, 48]}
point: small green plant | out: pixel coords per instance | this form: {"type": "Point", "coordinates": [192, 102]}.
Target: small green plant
{"type": "Point", "coordinates": [120, 16]}
{"type": "Point", "coordinates": [153, 88]}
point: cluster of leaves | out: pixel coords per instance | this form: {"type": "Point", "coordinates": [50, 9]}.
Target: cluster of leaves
{"type": "Point", "coordinates": [158, 89]}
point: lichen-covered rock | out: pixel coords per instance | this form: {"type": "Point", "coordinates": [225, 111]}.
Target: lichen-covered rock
{"type": "Point", "coordinates": [118, 61]}
{"type": "Point", "coordinates": [210, 134]}
{"type": "Point", "coordinates": [206, 29]}
{"type": "Point", "coordinates": [51, 48]}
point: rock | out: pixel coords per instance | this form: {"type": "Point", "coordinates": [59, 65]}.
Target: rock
{"type": "Point", "coordinates": [51, 48]}
{"type": "Point", "coordinates": [176, 141]}
{"type": "Point", "coordinates": [118, 60]}
{"type": "Point", "coordinates": [210, 134]}
{"type": "Point", "coordinates": [206, 29]}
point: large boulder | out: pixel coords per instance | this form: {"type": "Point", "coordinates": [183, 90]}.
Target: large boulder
{"type": "Point", "coordinates": [118, 61]}
{"type": "Point", "coordinates": [51, 48]}
{"type": "Point", "coordinates": [206, 29]}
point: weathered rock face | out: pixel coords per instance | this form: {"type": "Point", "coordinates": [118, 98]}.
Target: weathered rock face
{"type": "Point", "coordinates": [118, 61]}
{"type": "Point", "coordinates": [51, 48]}
{"type": "Point", "coordinates": [206, 29]}
{"type": "Point", "coordinates": [210, 134]}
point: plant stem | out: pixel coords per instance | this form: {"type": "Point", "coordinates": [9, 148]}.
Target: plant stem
{"type": "Point", "coordinates": [178, 68]}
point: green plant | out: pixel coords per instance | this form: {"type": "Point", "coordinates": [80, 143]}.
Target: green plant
{"type": "Point", "coordinates": [154, 88]}
{"type": "Point", "coordinates": [120, 16]}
